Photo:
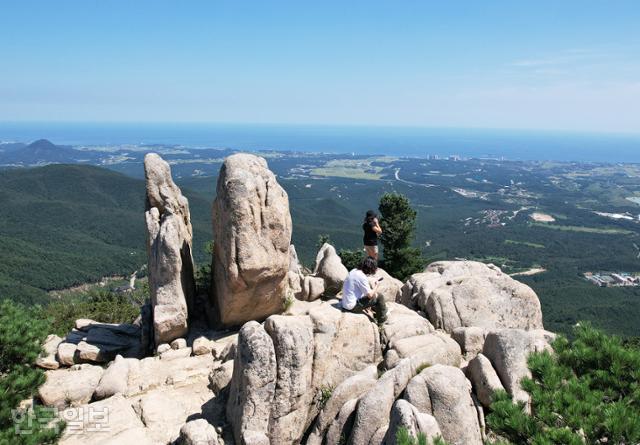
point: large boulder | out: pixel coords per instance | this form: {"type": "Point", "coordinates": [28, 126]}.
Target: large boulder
{"type": "Point", "coordinates": [351, 388]}
{"type": "Point", "coordinates": [311, 288]}
{"type": "Point", "coordinates": [375, 406]}
{"type": "Point", "coordinates": [508, 351]}
{"type": "Point", "coordinates": [389, 287]}
{"type": "Point", "coordinates": [403, 322]}
{"type": "Point", "coordinates": [341, 427]}
{"type": "Point", "coordinates": [94, 342]}
{"type": "Point", "coordinates": [450, 402]}
{"type": "Point", "coordinates": [253, 384]}
{"type": "Point", "coordinates": [425, 350]}
{"type": "Point", "coordinates": [70, 387]}
{"type": "Point", "coordinates": [47, 358]}
{"type": "Point", "coordinates": [111, 421]}
{"type": "Point", "coordinates": [169, 247]}
{"type": "Point", "coordinates": [484, 379]}
{"type": "Point", "coordinates": [199, 432]}
{"type": "Point", "coordinates": [405, 415]}
{"type": "Point", "coordinates": [329, 267]}
{"type": "Point", "coordinates": [345, 344]}
{"type": "Point", "coordinates": [293, 344]}
{"type": "Point", "coordinates": [468, 293]}
{"type": "Point", "coordinates": [252, 232]}
{"type": "Point", "coordinates": [115, 378]}
{"type": "Point", "coordinates": [470, 339]}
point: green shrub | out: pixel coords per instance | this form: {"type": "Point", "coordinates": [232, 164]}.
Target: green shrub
{"type": "Point", "coordinates": [288, 301]}
{"type": "Point", "coordinates": [203, 273]}
{"type": "Point", "coordinates": [324, 394]}
{"type": "Point", "coordinates": [99, 305]}
{"type": "Point", "coordinates": [22, 331]}
{"type": "Point", "coordinates": [350, 258]}
{"type": "Point", "coordinates": [588, 390]}
{"type": "Point", "coordinates": [422, 367]}
{"type": "Point", "coordinates": [322, 239]}
{"type": "Point", "coordinates": [404, 438]}
{"type": "Point", "coordinates": [398, 223]}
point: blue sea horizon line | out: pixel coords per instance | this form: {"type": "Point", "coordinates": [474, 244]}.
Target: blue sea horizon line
{"type": "Point", "coordinates": [410, 141]}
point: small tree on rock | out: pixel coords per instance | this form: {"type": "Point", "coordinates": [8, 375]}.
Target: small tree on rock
{"type": "Point", "coordinates": [22, 331]}
{"type": "Point", "coordinates": [398, 222]}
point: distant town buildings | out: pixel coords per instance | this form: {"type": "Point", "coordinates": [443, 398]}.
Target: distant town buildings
{"type": "Point", "coordinates": [613, 279]}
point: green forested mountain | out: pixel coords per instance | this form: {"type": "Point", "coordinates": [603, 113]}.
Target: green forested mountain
{"type": "Point", "coordinates": [63, 225]}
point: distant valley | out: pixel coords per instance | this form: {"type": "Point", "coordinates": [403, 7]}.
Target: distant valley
{"type": "Point", "coordinates": [548, 222]}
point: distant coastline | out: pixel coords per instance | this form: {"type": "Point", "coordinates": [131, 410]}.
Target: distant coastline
{"type": "Point", "coordinates": [397, 141]}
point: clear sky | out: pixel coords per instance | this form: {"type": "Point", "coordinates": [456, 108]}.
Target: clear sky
{"type": "Point", "coordinates": [561, 64]}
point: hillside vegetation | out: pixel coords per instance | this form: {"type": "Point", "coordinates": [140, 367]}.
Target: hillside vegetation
{"type": "Point", "coordinates": [63, 225]}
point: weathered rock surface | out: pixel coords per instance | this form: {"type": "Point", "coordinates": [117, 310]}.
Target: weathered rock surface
{"type": "Point", "coordinates": [253, 385]}
{"type": "Point", "coordinates": [389, 287]}
{"type": "Point", "coordinates": [115, 378]}
{"type": "Point", "coordinates": [154, 372]}
{"type": "Point", "coordinates": [468, 293]}
{"type": "Point", "coordinates": [252, 229]}
{"type": "Point", "coordinates": [329, 267]}
{"type": "Point", "coordinates": [405, 415]}
{"type": "Point", "coordinates": [293, 344]}
{"type": "Point", "coordinates": [345, 344]}
{"type": "Point", "coordinates": [221, 377]}
{"type": "Point", "coordinates": [449, 393]}
{"type": "Point", "coordinates": [178, 343]}
{"type": "Point", "coordinates": [403, 322]}
{"type": "Point", "coordinates": [202, 346]}
{"type": "Point", "coordinates": [169, 247]}
{"type": "Point", "coordinates": [342, 425]}
{"type": "Point", "coordinates": [66, 353]}
{"type": "Point", "coordinates": [311, 288]}
{"type": "Point", "coordinates": [351, 388]}
{"type": "Point", "coordinates": [470, 339]}
{"type": "Point", "coordinates": [374, 407]}
{"type": "Point", "coordinates": [94, 342]}
{"type": "Point", "coordinates": [508, 350]}
{"type": "Point", "coordinates": [484, 379]}
{"type": "Point", "coordinates": [281, 369]}
{"type": "Point", "coordinates": [112, 421]}
{"type": "Point", "coordinates": [199, 432]}
{"type": "Point", "coordinates": [428, 349]}
{"type": "Point", "coordinates": [47, 358]}
{"type": "Point", "coordinates": [70, 387]}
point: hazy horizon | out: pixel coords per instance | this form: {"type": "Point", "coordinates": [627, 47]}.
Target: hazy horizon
{"type": "Point", "coordinates": [362, 140]}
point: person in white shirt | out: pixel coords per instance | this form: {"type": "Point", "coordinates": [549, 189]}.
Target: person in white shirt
{"type": "Point", "coordinates": [358, 295]}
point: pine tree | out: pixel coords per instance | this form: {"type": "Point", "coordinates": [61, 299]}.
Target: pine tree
{"type": "Point", "coordinates": [403, 437]}
{"type": "Point", "coordinates": [398, 223]}
{"type": "Point", "coordinates": [586, 391]}
{"type": "Point", "coordinates": [22, 331]}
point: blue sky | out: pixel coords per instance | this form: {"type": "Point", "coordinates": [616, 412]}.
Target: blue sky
{"type": "Point", "coordinates": [567, 65]}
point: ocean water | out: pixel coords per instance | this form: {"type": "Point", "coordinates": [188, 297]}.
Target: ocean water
{"type": "Point", "coordinates": [394, 141]}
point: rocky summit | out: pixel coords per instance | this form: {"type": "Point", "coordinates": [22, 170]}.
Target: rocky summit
{"type": "Point", "coordinates": [276, 361]}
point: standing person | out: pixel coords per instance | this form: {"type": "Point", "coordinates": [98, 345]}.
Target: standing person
{"type": "Point", "coordinates": [358, 295]}
{"type": "Point", "coordinates": [372, 229]}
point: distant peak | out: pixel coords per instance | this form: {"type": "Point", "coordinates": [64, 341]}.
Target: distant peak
{"type": "Point", "coordinates": [42, 143]}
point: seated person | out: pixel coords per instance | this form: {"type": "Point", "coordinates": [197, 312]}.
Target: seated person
{"type": "Point", "coordinates": [358, 295]}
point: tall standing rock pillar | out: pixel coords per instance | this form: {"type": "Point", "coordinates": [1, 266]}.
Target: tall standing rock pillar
{"type": "Point", "coordinates": [169, 246]}
{"type": "Point", "coordinates": [252, 233]}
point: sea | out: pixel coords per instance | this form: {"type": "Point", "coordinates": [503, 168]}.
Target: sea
{"type": "Point", "coordinates": [379, 140]}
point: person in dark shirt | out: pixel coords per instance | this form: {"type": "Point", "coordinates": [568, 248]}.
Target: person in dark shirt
{"type": "Point", "coordinates": [372, 229]}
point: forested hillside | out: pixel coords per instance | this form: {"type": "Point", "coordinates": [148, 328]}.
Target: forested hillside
{"type": "Point", "coordinates": [63, 225]}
